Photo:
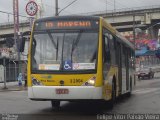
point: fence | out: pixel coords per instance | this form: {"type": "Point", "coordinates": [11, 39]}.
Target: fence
{"type": "Point", "coordinates": [12, 70]}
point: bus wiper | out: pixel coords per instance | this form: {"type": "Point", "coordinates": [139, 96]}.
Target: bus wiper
{"type": "Point", "coordinates": [51, 37]}
{"type": "Point", "coordinates": [54, 43]}
{"type": "Point", "coordinates": [34, 44]}
{"type": "Point", "coordinates": [62, 51]}
{"type": "Point", "coordinates": [76, 41]}
{"type": "Point", "coordinates": [57, 49]}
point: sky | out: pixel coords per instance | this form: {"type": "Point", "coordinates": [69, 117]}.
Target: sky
{"type": "Point", "coordinates": [80, 6]}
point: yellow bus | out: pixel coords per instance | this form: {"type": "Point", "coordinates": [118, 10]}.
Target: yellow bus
{"type": "Point", "coordinates": [75, 58]}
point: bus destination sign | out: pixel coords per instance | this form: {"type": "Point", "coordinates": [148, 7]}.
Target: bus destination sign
{"type": "Point", "coordinates": [66, 25]}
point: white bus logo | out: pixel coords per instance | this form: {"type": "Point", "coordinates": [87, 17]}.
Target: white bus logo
{"type": "Point", "coordinates": [67, 66]}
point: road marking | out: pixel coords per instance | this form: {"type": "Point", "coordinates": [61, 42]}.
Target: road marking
{"type": "Point", "coordinates": [145, 90]}
{"type": "Point", "coordinates": [19, 91]}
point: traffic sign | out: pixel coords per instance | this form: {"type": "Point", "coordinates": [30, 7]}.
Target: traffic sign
{"type": "Point", "coordinates": [31, 8]}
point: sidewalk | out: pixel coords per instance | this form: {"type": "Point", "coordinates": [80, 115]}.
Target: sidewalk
{"type": "Point", "coordinates": [12, 86]}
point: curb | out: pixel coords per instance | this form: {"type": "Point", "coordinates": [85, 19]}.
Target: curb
{"type": "Point", "coordinates": [13, 89]}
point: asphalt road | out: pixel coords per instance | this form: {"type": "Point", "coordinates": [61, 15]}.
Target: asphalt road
{"type": "Point", "coordinates": [145, 99]}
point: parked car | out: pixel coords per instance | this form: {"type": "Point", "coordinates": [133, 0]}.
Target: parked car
{"type": "Point", "coordinates": [145, 72]}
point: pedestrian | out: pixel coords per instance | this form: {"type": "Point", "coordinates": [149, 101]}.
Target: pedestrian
{"type": "Point", "coordinates": [20, 77]}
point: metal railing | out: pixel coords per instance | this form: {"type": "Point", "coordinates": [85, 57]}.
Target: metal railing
{"type": "Point", "coordinates": [11, 24]}
{"type": "Point", "coordinates": [12, 71]}
{"type": "Point", "coordinates": [121, 10]}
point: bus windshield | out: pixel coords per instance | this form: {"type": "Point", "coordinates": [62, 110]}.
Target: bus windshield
{"type": "Point", "coordinates": [64, 51]}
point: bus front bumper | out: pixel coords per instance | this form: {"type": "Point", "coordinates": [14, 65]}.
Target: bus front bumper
{"type": "Point", "coordinates": [74, 93]}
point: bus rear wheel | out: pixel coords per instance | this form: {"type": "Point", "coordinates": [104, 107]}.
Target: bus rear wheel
{"type": "Point", "coordinates": [55, 104]}
{"type": "Point", "coordinates": [130, 92]}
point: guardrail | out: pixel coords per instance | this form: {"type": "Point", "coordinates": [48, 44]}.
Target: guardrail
{"type": "Point", "coordinates": [121, 10]}
{"type": "Point", "coordinates": [156, 69]}
{"type": "Point", "coordinates": [11, 24]}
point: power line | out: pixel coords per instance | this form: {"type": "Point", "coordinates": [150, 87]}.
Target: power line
{"type": "Point", "coordinates": [109, 3]}
{"type": "Point", "coordinates": [67, 6]}
{"type": "Point", "coordinates": [12, 14]}
{"type": "Point", "coordinates": [119, 3]}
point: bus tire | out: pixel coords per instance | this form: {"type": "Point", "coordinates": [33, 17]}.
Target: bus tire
{"type": "Point", "coordinates": [55, 104]}
{"type": "Point", "coordinates": [112, 101]}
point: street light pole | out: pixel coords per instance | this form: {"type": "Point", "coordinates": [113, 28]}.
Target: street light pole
{"type": "Point", "coordinates": [56, 3]}
{"type": "Point", "coordinates": [134, 40]}
{"type": "Point", "coordinates": [58, 12]}
{"type": "Point", "coordinates": [134, 33]}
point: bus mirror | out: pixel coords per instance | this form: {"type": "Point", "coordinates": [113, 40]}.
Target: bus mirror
{"type": "Point", "coordinates": [22, 44]}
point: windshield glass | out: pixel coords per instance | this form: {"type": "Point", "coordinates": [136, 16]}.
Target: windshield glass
{"type": "Point", "coordinates": [61, 51]}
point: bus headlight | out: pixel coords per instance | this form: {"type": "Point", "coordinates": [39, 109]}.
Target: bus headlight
{"type": "Point", "coordinates": [90, 82]}
{"type": "Point", "coordinates": [36, 82]}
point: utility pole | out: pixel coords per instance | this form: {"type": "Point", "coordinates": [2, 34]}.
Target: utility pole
{"type": "Point", "coordinates": [16, 29]}
{"type": "Point", "coordinates": [40, 11]}
{"type": "Point", "coordinates": [134, 33]}
{"type": "Point", "coordinates": [114, 5]}
{"type": "Point", "coordinates": [106, 6]}
{"type": "Point", "coordinates": [16, 17]}
{"type": "Point", "coordinates": [56, 3]}
{"type": "Point", "coordinates": [114, 10]}
{"type": "Point", "coordinates": [134, 40]}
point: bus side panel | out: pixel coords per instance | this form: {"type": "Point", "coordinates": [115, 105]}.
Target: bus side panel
{"type": "Point", "coordinates": [108, 71]}
{"type": "Point", "coordinates": [29, 83]}
{"type": "Point", "coordinates": [107, 89]}
{"type": "Point", "coordinates": [99, 66]}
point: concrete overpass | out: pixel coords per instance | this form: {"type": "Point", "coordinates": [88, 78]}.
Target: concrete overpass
{"type": "Point", "coordinates": [7, 29]}
{"type": "Point", "coordinates": [121, 19]}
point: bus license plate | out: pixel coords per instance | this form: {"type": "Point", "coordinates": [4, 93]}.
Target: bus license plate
{"type": "Point", "coordinates": [62, 91]}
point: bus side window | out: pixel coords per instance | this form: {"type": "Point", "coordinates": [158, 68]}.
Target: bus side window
{"type": "Point", "coordinates": [107, 54]}
{"type": "Point", "coordinates": [112, 47]}
{"type": "Point", "coordinates": [34, 44]}
{"type": "Point", "coordinates": [124, 56]}
{"type": "Point", "coordinates": [106, 57]}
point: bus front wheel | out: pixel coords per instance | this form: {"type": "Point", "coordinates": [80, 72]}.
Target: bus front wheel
{"type": "Point", "coordinates": [112, 101]}
{"type": "Point", "coordinates": [55, 104]}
